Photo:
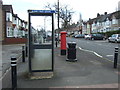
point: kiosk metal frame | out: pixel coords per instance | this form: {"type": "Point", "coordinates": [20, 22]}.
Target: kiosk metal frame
{"type": "Point", "coordinates": [50, 46]}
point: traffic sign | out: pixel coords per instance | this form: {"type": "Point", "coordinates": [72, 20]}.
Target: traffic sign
{"type": "Point", "coordinates": [41, 11]}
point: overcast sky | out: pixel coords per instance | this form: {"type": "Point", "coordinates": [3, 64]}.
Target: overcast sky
{"type": "Point", "coordinates": [88, 8]}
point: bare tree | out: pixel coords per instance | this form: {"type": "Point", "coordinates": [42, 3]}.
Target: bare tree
{"type": "Point", "coordinates": [65, 14]}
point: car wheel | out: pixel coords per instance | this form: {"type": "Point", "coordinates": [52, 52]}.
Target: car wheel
{"type": "Point", "coordinates": [104, 39]}
{"type": "Point", "coordinates": [92, 38]}
{"type": "Point", "coordinates": [115, 41]}
{"type": "Point", "coordinates": [108, 40]}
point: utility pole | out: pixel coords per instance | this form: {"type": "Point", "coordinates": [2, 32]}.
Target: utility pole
{"type": "Point", "coordinates": [58, 14]}
{"type": "Point", "coordinates": [44, 23]}
{"type": "Point", "coordinates": [80, 24]}
{"type": "Point", "coordinates": [58, 22]}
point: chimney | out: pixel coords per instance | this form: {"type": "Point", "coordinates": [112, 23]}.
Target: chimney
{"type": "Point", "coordinates": [77, 22]}
{"type": "Point", "coordinates": [98, 14]}
{"type": "Point", "coordinates": [105, 13]}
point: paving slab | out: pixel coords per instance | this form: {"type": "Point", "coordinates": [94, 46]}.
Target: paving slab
{"type": "Point", "coordinates": [88, 71]}
{"type": "Point", "coordinates": [7, 51]}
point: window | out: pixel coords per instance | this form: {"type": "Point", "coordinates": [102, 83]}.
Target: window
{"type": "Point", "coordinates": [107, 23]}
{"type": "Point", "coordinates": [19, 33]}
{"type": "Point", "coordinates": [113, 35]}
{"type": "Point", "coordinates": [114, 21]}
{"type": "Point", "coordinates": [103, 23]}
{"type": "Point", "coordinates": [17, 22]}
{"type": "Point", "coordinates": [23, 33]}
{"type": "Point", "coordinates": [14, 20]}
{"type": "Point", "coordinates": [10, 32]}
{"type": "Point", "coordinates": [15, 32]}
{"type": "Point", "coordinates": [8, 17]}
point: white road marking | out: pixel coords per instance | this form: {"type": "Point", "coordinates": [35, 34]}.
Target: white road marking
{"type": "Point", "coordinates": [99, 44]}
{"type": "Point", "coordinates": [79, 47]}
{"type": "Point", "coordinates": [102, 41]}
{"type": "Point", "coordinates": [91, 52]}
{"type": "Point", "coordinates": [109, 55]}
{"type": "Point", "coordinates": [96, 63]}
{"type": "Point", "coordinates": [98, 55]}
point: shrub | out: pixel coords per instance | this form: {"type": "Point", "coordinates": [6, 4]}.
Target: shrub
{"type": "Point", "coordinates": [108, 34]}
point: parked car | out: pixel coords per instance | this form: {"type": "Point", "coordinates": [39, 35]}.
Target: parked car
{"type": "Point", "coordinates": [87, 36]}
{"type": "Point", "coordinates": [97, 37]}
{"type": "Point", "coordinates": [79, 36]}
{"type": "Point", "coordinates": [114, 38]}
{"type": "Point", "coordinates": [74, 35]}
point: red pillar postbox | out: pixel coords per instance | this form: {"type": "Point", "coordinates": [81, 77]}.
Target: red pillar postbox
{"type": "Point", "coordinates": [63, 42]}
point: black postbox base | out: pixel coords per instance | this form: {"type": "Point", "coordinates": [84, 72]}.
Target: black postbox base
{"type": "Point", "coordinates": [63, 52]}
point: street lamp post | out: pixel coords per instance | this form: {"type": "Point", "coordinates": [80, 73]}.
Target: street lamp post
{"type": "Point", "coordinates": [58, 14]}
{"type": "Point", "coordinates": [58, 22]}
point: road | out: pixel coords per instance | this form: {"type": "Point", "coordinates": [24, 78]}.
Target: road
{"type": "Point", "coordinates": [101, 48]}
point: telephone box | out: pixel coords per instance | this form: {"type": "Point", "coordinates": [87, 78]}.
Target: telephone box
{"type": "Point", "coordinates": [41, 40]}
{"type": "Point", "coordinates": [63, 42]}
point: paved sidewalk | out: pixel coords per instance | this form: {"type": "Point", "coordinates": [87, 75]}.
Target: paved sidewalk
{"type": "Point", "coordinates": [7, 52]}
{"type": "Point", "coordinates": [5, 62]}
{"type": "Point", "coordinates": [89, 71]}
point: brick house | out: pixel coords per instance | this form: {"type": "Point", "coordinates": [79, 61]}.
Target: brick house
{"type": "Point", "coordinates": [101, 23]}
{"type": "Point", "coordinates": [84, 28]}
{"type": "Point", "coordinates": [74, 29]}
{"type": "Point", "coordinates": [14, 28]}
{"type": "Point", "coordinates": [89, 26]}
{"type": "Point", "coordinates": [115, 17]}
{"type": "Point", "coordinates": [106, 22]}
